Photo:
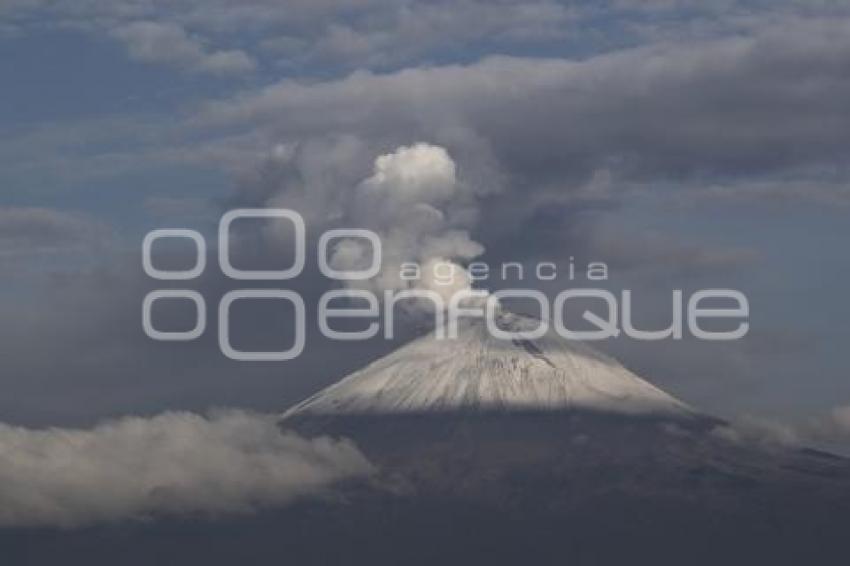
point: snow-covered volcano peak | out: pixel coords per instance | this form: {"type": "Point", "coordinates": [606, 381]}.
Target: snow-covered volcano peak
{"type": "Point", "coordinates": [479, 372]}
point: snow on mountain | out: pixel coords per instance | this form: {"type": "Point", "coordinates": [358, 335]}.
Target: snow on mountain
{"type": "Point", "coordinates": [479, 372]}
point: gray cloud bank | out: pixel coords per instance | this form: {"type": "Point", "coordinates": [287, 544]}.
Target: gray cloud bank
{"type": "Point", "coordinates": [308, 34]}
{"type": "Point", "coordinates": [724, 105]}
{"type": "Point", "coordinates": [830, 429]}
{"type": "Point", "coordinates": [755, 114]}
{"type": "Point", "coordinates": [168, 43]}
{"type": "Point", "coordinates": [173, 463]}
{"type": "Point", "coordinates": [36, 229]}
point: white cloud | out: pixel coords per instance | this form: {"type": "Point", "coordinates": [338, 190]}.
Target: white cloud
{"type": "Point", "coordinates": [174, 463]}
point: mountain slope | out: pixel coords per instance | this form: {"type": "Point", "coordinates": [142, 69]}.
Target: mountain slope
{"type": "Point", "coordinates": [478, 372]}
{"type": "Point", "coordinates": [502, 453]}
{"type": "Point", "coordinates": [545, 451]}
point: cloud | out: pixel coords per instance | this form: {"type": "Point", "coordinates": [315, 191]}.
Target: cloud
{"type": "Point", "coordinates": [183, 208]}
{"type": "Point", "coordinates": [764, 432]}
{"type": "Point", "coordinates": [395, 34]}
{"type": "Point", "coordinates": [717, 116]}
{"type": "Point", "coordinates": [671, 110]}
{"type": "Point", "coordinates": [173, 463]}
{"type": "Point", "coordinates": [834, 426]}
{"type": "Point", "coordinates": [307, 33]}
{"type": "Point", "coordinates": [28, 230]}
{"type": "Point", "coordinates": [831, 429]}
{"type": "Point", "coordinates": [158, 42]}
{"type": "Point", "coordinates": [811, 188]}
{"type": "Point", "coordinates": [310, 35]}
{"type": "Point", "coordinates": [625, 247]}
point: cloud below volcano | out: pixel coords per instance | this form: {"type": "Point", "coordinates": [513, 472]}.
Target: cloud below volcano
{"type": "Point", "coordinates": [170, 464]}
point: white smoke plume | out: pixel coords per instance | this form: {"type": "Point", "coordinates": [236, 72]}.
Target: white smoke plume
{"type": "Point", "coordinates": [422, 213]}
{"type": "Point", "coordinates": [174, 463]}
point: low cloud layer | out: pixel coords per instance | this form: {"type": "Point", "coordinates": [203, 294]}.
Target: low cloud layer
{"type": "Point", "coordinates": [174, 463]}
{"type": "Point", "coordinates": [831, 429]}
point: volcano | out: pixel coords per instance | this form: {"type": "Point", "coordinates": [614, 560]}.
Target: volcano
{"type": "Point", "coordinates": [549, 451]}
{"type": "Point", "coordinates": [505, 452]}
{"type": "Point", "coordinates": [479, 373]}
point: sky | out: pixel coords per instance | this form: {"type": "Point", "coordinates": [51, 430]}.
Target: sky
{"type": "Point", "coordinates": [686, 144]}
